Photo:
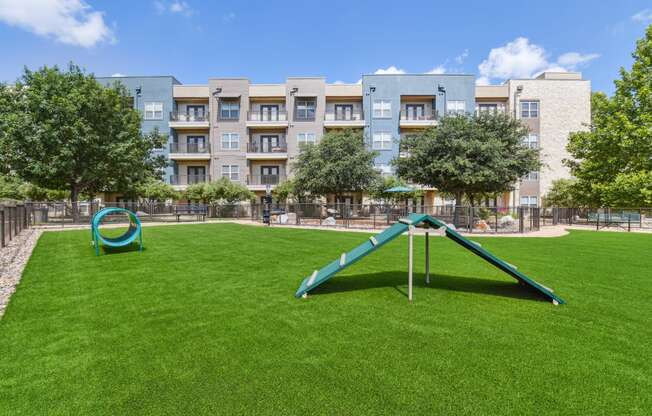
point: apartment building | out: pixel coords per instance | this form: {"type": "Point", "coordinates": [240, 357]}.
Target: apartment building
{"type": "Point", "coordinates": [552, 105]}
{"type": "Point", "coordinates": [251, 133]}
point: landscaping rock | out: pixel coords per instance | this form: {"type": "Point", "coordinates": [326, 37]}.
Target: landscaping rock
{"type": "Point", "coordinates": [13, 259]}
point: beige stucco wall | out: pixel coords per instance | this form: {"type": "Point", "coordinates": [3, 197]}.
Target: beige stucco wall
{"type": "Point", "coordinates": [306, 87]}
{"type": "Point", "coordinates": [357, 107]}
{"type": "Point", "coordinates": [190, 91]}
{"type": "Point", "coordinates": [564, 107]}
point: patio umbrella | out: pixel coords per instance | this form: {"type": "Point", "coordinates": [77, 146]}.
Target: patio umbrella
{"type": "Point", "coordinates": [399, 189]}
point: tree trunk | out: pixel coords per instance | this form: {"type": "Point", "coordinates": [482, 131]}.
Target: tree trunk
{"type": "Point", "coordinates": [458, 208]}
{"type": "Point", "coordinates": [74, 200]}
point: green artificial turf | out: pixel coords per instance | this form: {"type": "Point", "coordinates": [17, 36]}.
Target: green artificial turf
{"type": "Point", "coordinates": [204, 321]}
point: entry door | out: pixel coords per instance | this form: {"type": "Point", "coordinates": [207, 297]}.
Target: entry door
{"type": "Point", "coordinates": [343, 112]}
{"type": "Point", "coordinates": [414, 111]}
{"type": "Point", "coordinates": [269, 175]}
{"type": "Point", "coordinates": [269, 112]}
{"type": "Point", "coordinates": [196, 174]}
{"type": "Point", "coordinates": [268, 143]}
{"type": "Point", "coordinates": [196, 144]}
{"type": "Point", "coordinates": [195, 112]}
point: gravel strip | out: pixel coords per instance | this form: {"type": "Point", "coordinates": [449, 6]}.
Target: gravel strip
{"type": "Point", "coordinates": [13, 258]}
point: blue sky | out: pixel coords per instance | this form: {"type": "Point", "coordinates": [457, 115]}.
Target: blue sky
{"type": "Point", "coordinates": [267, 41]}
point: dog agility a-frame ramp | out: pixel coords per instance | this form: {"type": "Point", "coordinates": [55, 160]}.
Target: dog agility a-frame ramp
{"type": "Point", "coordinates": [407, 225]}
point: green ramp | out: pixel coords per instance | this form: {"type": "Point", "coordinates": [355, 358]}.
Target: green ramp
{"type": "Point", "coordinates": [377, 241]}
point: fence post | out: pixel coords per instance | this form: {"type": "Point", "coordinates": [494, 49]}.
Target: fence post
{"type": "Point", "coordinates": [2, 225]}
{"type": "Point", "coordinates": [520, 220]}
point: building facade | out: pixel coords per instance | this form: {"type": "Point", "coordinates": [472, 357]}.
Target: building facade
{"type": "Point", "coordinates": [251, 133]}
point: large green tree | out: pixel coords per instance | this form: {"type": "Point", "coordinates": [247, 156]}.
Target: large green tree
{"type": "Point", "coordinates": [613, 161]}
{"type": "Point", "coordinates": [63, 130]}
{"type": "Point", "coordinates": [222, 190]}
{"type": "Point", "coordinates": [339, 163]}
{"type": "Point", "coordinates": [469, 155]}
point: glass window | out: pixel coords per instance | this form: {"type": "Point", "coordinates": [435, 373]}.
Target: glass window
{"type": "Point", "coordinates": [229, 110]}
{"type": "Point", "coordinates": [529, 109]}
{"type": "Point", "coordinates": [382, 141]}
{"type": "Point", "coordinates": [154, 110]}
{"type": "Point", "coordinates": [306, 138]}
{"type": "Point", "coordinates": [532, 141]}
{"type": "Point", "coordinates": [305, 109]}
{"type": "Point", "coordinates": [529, 201]}
{"type": "Point", "coordinates": [231, 171]}
{"type": "Point", "coordinates": [532, 176]}
{"type": "Point", "coordinates": [230, 141]}
{"type": "Point", "coordinates": [456, 107]}
{"type": "Point", "coordinates": [382, 109]}
{"type": "Point", "coordinates": [384, 169]}
{"type": "Point", "coordinates": [487, 108]}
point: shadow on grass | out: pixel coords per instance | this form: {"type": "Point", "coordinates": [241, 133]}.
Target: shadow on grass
{"type": "Point", "coordinates": [398, 280]}
{"type": "Point", "coordinates": [119, 250]}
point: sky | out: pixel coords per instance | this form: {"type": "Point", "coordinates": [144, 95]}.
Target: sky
{"type": "Point", "coordinates": [268, 41]}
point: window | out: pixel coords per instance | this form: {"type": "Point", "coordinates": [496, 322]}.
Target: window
{"type": "Point", "coordinates": [529, 109]}
{"type": "Point", "coordinates": [231, 171]}
{"type": "Point", "coordinates": [532, 176]}
{"type": "Point", "coordinates": [305, 138]}
{"type": "Point", "coordinates": [529, 201]}
{"type": "Point", "coordinates": [384, 169]}
{"type": "Point", "coordinates": [305, 109]}
{"type": "Point", "coordinates": [487, 108]}
{"type": "Point", "coordinates": [382, 108]}
{"type": "Point", "coordinates": [343, 112]}
{"type": "Point", "coordinates": [229, 110]}
{"type": "Point", "coordinates": [230, 141]}
{"type": "Point", "coordinates": [154, 110]}
{"type": "Point", "coordinates": [531, 141]}
{"type": "Point", "coordinates": [456, 107]}
{"type": "Point", "coordinates": [382, 141]}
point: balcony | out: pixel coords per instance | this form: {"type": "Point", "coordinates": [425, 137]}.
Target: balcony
{"type": "Point", "coordinates": [182, 181]}
{"type": "Point", "coordinates": [260, 182]}
{"type": "Point", "coordinates": [190, 151]}
{"type": "Point", "coordinates": [417, 119]}
{"type": "Point", "coordinates": [193, 120]}
{"type": "Point", "coordinates": [265, 150]}
{"type": "Point", "coordinates": [264, 119]}
{"type": "Point", "coordinates": [343, 120]}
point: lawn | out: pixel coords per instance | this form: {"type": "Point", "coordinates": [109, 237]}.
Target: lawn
{"type": "Point", "coordinates": [204, 321]}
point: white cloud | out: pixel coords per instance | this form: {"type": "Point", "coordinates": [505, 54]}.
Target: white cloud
{"type": "Point", "coordinates": [174, 7]}
{"type": "Point", "coordinates": [439, 69]}
{"type": "Point", "coordinates": [118, 75]}
{"type": "Point", "coordinates": [229, 17]}
{"type": "Point", "coordinates": [522, 59]}
{"type": "Point", "coordinates": [574, 59]}
{"type": "Point", "coordinates": [389, 70]}
{"type": "Point", "coordinates": [338, 82]}
{"type": "Point", "coordinates": [459, 59]}
{"type": "Point", "coordinates": [72, 22]}
{"type": "Point", "coordinates": [643, 16]}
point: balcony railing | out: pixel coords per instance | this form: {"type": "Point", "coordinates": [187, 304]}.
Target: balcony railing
{"type": "Point", "coordinates": [416, 116]}
{"type": "Point", "coordinates": [343, 117]}
{"type": "Point", "coordinates": [267, 147]}
{"type": "Point", "coordinates": [191, 117]}
{"type": "Point", "coordinates": [265, 179]}
{"type": "Point", "coordinates": [188, 179]}
{"type": "Point", "coordinates": [265, 116]}
{"type": "Point", "coordinates": [190, 148]}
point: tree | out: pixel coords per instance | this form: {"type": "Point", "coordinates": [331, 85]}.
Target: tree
{"type": "Point", "coordinates": [285, 191]}
{"type": "Point", "coordinates": [469, 156]}
{"type": "Point", "coordinates": [339, 163]}
{"type": "Point", "coordinates": [562, 193]}
{"type": "Point", "coordinates": [613, 161]}
{"type": "Point", "coordinates": [222, 190]}
{"type": "Point", "coordinates": [155, 190]}
{"type": "Point", "coordinates": [377, 191]}
{"type": "Point", "coordinates": [63, 130]}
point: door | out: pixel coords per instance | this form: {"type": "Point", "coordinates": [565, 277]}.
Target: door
{"type": "Point", "coordinates": [196, 144]}
{"type": "Point", "coordinates": [415, 111]}
{"type": "Point", "coordinates": [343, 112]}
{"type": "Point", "coordinates": [269, 175]}
{"type": "Point", "coordinates": [196, 174]}
{"type": "Point", "coordinates": [195, 112]}
{"type": "Point", "coordinates": [269, 112]}
{"type": "Point", "coordinates": [269, 143]}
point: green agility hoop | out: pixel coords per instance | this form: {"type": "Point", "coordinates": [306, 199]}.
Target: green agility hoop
{"type": "Point", "coordinates": [133, 233]}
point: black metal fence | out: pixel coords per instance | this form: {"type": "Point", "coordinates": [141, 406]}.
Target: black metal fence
{"type": "Point", "coordinates": [13, 220]}
{"type": "Point", "coordinates": [629, 219]}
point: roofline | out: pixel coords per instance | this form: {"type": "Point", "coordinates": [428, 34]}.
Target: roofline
{"type": "Point", "coordinates": [422, 75]}
{"type": "Point", "coordinates": [139, 76]}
